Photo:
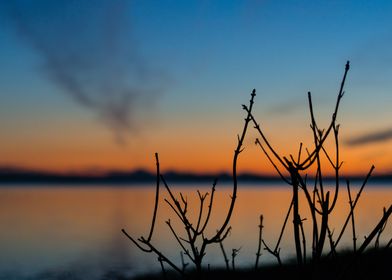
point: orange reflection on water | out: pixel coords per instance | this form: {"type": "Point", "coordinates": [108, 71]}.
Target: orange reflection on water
{"type": "Point", "coordinates": [51, 227]}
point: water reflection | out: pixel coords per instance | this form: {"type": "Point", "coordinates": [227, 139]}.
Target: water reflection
{"type": "Point", "coordinates": [77, 229]}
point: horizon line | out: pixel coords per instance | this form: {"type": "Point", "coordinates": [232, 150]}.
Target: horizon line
{"type": "Point", "coordinates": [25, 175]}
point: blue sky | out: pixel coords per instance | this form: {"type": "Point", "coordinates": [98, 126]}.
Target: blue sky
{"type": "Point", "coordinates": [107, 83]}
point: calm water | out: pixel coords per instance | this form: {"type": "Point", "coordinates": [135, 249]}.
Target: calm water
{"type": "Point", "coordinates": [77, 230]}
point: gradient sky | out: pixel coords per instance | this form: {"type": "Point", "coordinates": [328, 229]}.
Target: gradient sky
{"type": "Point", "coordinates": [105, 84]}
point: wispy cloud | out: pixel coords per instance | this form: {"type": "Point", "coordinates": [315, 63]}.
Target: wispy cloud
{"type": "Point", "coordinates": [373, 137]}
{"type": "Point", "coordinates": [285, 107]}
{"type": "Point", "coordinates": [89, 52]}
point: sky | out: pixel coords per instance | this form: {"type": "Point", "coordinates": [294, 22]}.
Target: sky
{"type": "Point", "coordinates": [103, 85]}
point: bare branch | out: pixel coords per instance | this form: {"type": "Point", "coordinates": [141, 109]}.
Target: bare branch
{"type": "Point", "coordinates": [299, 152]}
{"type": "Point", "coordinates": [377, 242]}
{"type": "Point", "coordinates": [352, 217]}
{"type": "Point", "coordinates": [275, 253]}
{"type": "Point", "coordinates": [272, 162]}
{"type": "Point", "coordinates": [234, 253]}
{"type": "Point", "coordinates": [153, 249]}
{"type": "Point", "coordinates": [336, 167]}
{"type": "Point", "coordinates": [273, 151]}
{"type": "Point", "coordinates": [224, 255]}
{"type": "Point", "coordinates": [354, 204]}
{"type": "Point", "coordinates": [331, 242]}
{"type": "Point", "coordinates": [156, 199]}
{"type": "Point", "coordinates": [209, 207]}
{"type": "Point", "coordinates": [310, 159]}
{"type": "Point", "coordinates": [303, 239]}
{"type": "Point", "coordinates": [160, 260]}
{"type": "Point", "coordinates": [135, 242]}
{"type": "Point", "coordinates": [186, 251]}
{"type": "Point", "coordinates": [258, 254]}
{"type": "Point", "coordinates": [235, 180]}
{"type": "Point", "coordinates": [375, 230]}
{"type": "Point", "coordinates": [184, 264]}
{"type": "Point", "coordinates": [174, 210]}
{"type": "Point", "coordinates": [284, 226]}
{"type": "Point", "coordinates": [388, 244]}
{"type": "Point", "coordinates": [201, 198]}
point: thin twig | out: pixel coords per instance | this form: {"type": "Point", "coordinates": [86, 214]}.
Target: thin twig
{"type": "Point", "coordinates": [310, 159]}
{"type": "Point", "coordinates": [284, 226]}
{"type": "Point", "coordinates": [352, 217]}
{"type": "Point", "coordinates": [175, 210]}
{"type": "Point", "coordinates": [272, 162]}
{"type": "Point", "coordinates": [303, 240]}
{"type": "Point", "coordinates": [162, 268]}
{"type": "Point", "coordinates": [209, 207]}
{"type": "Point", "coordinates": [153, 249]}
{"type": "Point", "coordinates": [377, 242]}
{"type": "Point", "coordinates": [375, 230]}
{"type": "Point", "coordinates": [388, 244]}
{"type": "Point", "coordinates": [331, 242]}
{"type": "Point", "coordinates": [299, 152]}
{"type": "Point", "coordinates": [275, 253]}
{"type": "Point", "coordinates": [201, 198]}
{"type": "Point", "coordinates": [273, 151]}
{"type": "Point", "coordinates": [184, 264]}
{"type": "Point", "coordinates": [258, 254]}
{"type": "Point", "coordinates": [296, 218]}
{"type": "Point", "coordinates": [337, 166]}
{"type": "Point", "coordinates": [179, 240]}
{"type": "Point", "coordinates": [135, 242]}
{"type": "Point", "coordinates": [156, 200]}
{"type": "Point", "coordinates": [234, 253]}
{"type": "Point", "coordinates": [224, 255]}
{"type": "Point", "coordinates": [354, 204]}
{"type": "Point", "coordinates": [237, 152]}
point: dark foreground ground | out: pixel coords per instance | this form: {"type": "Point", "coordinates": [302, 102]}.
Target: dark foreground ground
{"type": "Point", "coordinates": [374, 265]}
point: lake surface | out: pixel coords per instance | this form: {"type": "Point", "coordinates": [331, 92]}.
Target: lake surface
{"type": "Point", "coordinates": [76, 230]}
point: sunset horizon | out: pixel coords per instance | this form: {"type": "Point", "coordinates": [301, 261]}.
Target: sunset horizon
{"type": "Point", "coordinates": [193, 140]}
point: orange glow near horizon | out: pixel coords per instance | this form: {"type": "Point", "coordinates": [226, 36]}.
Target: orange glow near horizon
{"type": "Point", "coordinates": [186, 152]}
{"type": "Point", "coordinates": [206, 146]}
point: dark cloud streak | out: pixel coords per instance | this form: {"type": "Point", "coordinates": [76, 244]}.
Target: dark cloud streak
{"type": "Point", "coordinates": [374, 137]}
{"type": "Point", "coordinates": [90, 53]}
{"type": "Point", "coordinates": [285, 107]}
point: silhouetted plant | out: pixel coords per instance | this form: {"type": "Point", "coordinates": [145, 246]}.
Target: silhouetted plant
{"type": "Point", "coordinates": [321, 203]}
{"type": "Point", "coordinates": [195, 243]}
{"type": "Point", "coordinates": [294, 171]}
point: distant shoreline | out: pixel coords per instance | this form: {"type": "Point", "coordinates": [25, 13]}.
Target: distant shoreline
{"type": "Point", "coordinates": [16, 176]}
